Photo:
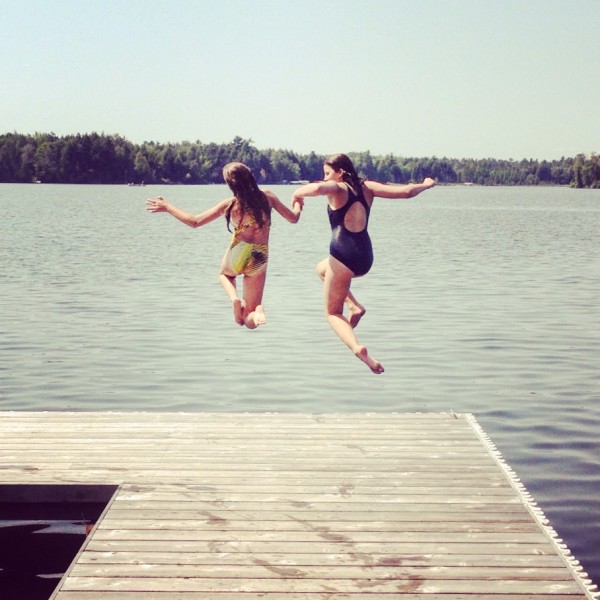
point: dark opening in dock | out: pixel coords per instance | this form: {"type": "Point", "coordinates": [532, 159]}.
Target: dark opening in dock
{"type": "Point", "coordinates": [42, 529]}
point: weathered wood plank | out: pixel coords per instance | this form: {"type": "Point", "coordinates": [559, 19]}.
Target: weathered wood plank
{"type": "Point", "coordinates": [262, 569]}
{"type": "Point", "coordinates": [325, 559]}
{"type": "Point", "coordinates": [317, 534]}
{"type": "Point", "coordinates": [284, 585]}
{"type": "Point", "coordinates": [323, 482]}
{"type": "Point", "coordinates": [351, 502]}
{"type": "Point", "coordinates": [323, 595]}
{"type": "Point", "coordinates": [212, 523]}
{"type": "Point", "coordinates": [316, 547]}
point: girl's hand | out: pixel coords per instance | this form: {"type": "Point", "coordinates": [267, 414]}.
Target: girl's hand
{"type": "Point", "coordinates": [428, 181]}
{"type": "Point", "coordinates": [298, 200]}
{"type": "Point", "coordinates": [158, 204]}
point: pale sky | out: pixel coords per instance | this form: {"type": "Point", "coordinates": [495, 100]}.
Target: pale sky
{"type": "Point", "coordinates": [456, 78]}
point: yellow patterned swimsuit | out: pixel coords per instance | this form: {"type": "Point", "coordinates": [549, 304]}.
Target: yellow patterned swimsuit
{"type": "Point", "coordinates": [246, 258]}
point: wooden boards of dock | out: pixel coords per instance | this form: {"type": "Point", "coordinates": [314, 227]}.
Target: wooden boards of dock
{"type": "Point", "coordinates": [292, 506]}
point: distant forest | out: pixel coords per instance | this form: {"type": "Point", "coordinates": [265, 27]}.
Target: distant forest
{"type": "Point", "coordinates": [111, 159]}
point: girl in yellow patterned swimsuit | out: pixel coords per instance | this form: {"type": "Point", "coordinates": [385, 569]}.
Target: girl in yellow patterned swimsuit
{"type": "Point", "coordinates": [249, 210]}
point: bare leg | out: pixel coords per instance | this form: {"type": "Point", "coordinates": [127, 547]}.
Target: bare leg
{"type": "Point", "coordinates": [355, 309]}
{"type": "Point", "coordinates": [373, 364]}
{"type": "Point", "coordinates": [254, 286]}
{"type": "Point", "coordinates": [228, 283]}
{"type": "Point", "coordinates": [335, 290]}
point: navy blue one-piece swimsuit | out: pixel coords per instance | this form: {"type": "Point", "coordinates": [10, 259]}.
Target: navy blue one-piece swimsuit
{"type": "Point", "coordinates": [354, 250]}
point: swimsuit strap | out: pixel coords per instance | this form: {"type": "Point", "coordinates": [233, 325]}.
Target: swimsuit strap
{"type": "Point", "coordinates": [243, 226]}
{"type": "Point", "coordinates": [360, 197]}
{"type": "Point", "coordinates": [339, 214]}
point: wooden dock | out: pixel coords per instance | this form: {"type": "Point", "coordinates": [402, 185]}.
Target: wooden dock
{"type": "Point", "coordinates": [293, 507]}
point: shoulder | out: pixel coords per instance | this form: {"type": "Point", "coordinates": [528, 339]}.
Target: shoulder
{"type": "Point", "coordinates": [369, 190]}
{"type": "Point", "coordinates": [225, 205]}
{"type": "Point", "coordinates": [375, 187]}
{"type": "Point", "coordinates": [334, 187]}
{"type": "Point", "coordinates": [231, 201]}
{"type": "Point", "coordinates": [270, 196]}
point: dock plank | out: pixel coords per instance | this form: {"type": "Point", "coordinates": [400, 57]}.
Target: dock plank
{"type": "Point", "coordinates": [295, 506]}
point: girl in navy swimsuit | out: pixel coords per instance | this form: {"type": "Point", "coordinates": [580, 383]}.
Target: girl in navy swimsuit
{"type": "Point", "coordinates": [351, 255]}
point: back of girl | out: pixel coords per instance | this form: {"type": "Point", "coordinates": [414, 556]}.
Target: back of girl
{"type": "Point", "coordinates": [250, 210]}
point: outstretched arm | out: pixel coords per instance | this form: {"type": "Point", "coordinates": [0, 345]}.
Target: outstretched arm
{"type": "Point", "coordinates": [410, 190]}
{"type": "Point", "coordinates": [159, 204]}
{"type": "Point", "coordinates": [291, 215]}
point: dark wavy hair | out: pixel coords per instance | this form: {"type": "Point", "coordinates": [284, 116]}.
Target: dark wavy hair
{"type": "Point", "coordinates": [241, 182]}
{"type": "Point", "coordinates": [349, 174]}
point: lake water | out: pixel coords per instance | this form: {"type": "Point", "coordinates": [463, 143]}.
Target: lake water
{"type": "Point", "coordinates": [481, 300]}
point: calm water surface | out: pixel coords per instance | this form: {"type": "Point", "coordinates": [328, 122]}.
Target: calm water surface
{"type": "Point", "coordinates": [481, 300]}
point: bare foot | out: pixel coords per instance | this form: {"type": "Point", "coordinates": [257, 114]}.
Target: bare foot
{"type": "Point", "coordinates": [238, 311]}
{"type": "Point", "coordinates": [355, 314]}
{"type": "Point", "coordinates": [255, 318]}
{"type": "Point", "coordinates": [259, 315]}
{"type": "Point", "coordinates": [373, 364]}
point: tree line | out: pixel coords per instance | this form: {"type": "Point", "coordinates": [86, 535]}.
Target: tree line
{"type": "Point", "coordinates": [111, 159]}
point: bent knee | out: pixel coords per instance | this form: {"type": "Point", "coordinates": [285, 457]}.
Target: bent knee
{"type": "Point", "coordinates": [321, 268]}
{"type": "Point", "coordinates": [333, 309]}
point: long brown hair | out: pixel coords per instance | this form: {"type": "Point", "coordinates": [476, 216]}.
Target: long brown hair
{"type": "Point", "coordinates": [349, 174]}
{"type": "Point", "coordinates": [241, 182]}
